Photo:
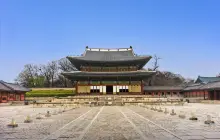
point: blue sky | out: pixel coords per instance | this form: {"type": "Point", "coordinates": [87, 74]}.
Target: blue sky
{"type": "Point", "coordinates": [184, 33]}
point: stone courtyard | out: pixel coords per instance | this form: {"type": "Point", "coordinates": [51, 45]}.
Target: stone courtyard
{"type": "Point", "coordinates": [132, 122]}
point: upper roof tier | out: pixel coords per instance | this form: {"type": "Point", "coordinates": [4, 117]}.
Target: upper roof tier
{"type": "Point", "coordinates": [109, 57]}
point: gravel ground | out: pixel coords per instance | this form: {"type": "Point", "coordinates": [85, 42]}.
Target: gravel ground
{"type": "Point", "coordinates": [111, 123]}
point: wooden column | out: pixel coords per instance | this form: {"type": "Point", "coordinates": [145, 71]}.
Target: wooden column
{"type": "Point", "coordinates": [209, 95]}
{"type": "Point", "coordinates": [24, 96]}
{"type": "Point", "coordinates": [141, 86]}
{"type": "Point", "coordinates": [215, 95]}
{"type": "Point", "coordinates": [76, 86]}
{"type": "Point", "coordinates": [8, 96]}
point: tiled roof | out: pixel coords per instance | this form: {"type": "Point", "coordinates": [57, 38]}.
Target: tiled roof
{"type": "Point", "coordinates": [195, 86]}
{"type": "Point", "coordinates": [126, 54]}
{"type": "Point", "coordinates": [14, 87]}
{"type": "Point", "coordinates": [157, 88]}
{"type": "Point", "coordinates": [3, 87]}
{"type": "Point", "coordinates": [109, 56]}
{"type": "Point", "coordinates": [201, 79]}
{"type": "Point", "coordinates": [77, 75]}
{"type": "Point", "coordinates": [203, 86]}
{"type": "Point", "coordinates": [211, 85]}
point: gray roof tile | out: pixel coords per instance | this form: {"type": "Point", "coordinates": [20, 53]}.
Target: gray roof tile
{"type": "Point", "coordinates": [211, 85]}
{"type": "Point", "coordinates": [195, 86]}
{"type": "Point", "coordinates": [4, 88]}
{"type": "Point", "coordinates": [110, 55]}
{"type": "Point", "coordinates": [201, 79]}
{"type": "Point", "coordinates": [14, 87]}
{"type": "Point", "coordinates": [158, 88]}
{"type": "Point", "coordinates": [98, 57]}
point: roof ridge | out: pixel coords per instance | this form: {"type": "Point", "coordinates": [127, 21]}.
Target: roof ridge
{"type": "Point", "coordinates": [110, 48]}
{"type": "Point", "coordinates": [213, 82]}
{"type": "Point", "coordinates": [4, 83]}
{"type": "Point", "coordinates": [208, 77]}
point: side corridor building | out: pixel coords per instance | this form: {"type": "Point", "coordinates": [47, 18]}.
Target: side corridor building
{"type": "Point", "coordinates": [11, 92]}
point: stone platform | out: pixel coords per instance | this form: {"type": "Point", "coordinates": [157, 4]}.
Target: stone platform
{"type": "Point", "coordinates": [109, 100]}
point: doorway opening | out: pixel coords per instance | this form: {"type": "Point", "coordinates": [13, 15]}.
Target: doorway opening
{"type": "Point", "coordinates": [109, 89]}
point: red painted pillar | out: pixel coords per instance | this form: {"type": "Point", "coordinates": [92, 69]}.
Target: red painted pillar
{"type": "Point", "coordinates": [76, 86]}
{"type": "Point", "coordinates": [159, 93]}
{"type": "Point", "coordinates": [215, 95]}
{"type": "Point", "coordinates": [8, 97]}
{"type": "Point", "coordinates": [207, 94]}
{"type": "Point", "coordinates": [25, 96]}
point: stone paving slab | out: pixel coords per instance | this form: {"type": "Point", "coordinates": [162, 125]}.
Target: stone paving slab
{"type": "Point", "coordinates": [193, 138]}
{"type": "Point", "coordinates": [212, 135]}
{"type": "Point", "coordinates": [110, 122]}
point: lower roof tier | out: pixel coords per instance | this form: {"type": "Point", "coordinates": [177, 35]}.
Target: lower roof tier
{"type": "Point", "coordinates": [126, 75]}
{"type": "Point", "coordinates": [139, 62]}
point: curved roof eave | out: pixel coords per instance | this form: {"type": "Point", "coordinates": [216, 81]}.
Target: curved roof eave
{"type": "Point", "coordinates": [139, 60]}
{"type": "Point", "coordinates": [80, 75]}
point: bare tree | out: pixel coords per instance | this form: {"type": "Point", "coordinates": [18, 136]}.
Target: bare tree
{"type": "Point", "coordinates": [46, 75]}
{"type": "Point", "coordinates": [154, 68]}
{"type": "Point", "coordinates": [65, 65]}
{"type": "Point", "coordinates": [167, 78]}
{"type": "Point", "coordinates": [28, 76]}
{"type": "Point", "coordinates": [49, 71]}
{"type": "Point", "coordinates": [156, 63]}
{"type": "Point", "coordinates": [45, 71]}
{"type": "Point", "coordinates": [53, 69]}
